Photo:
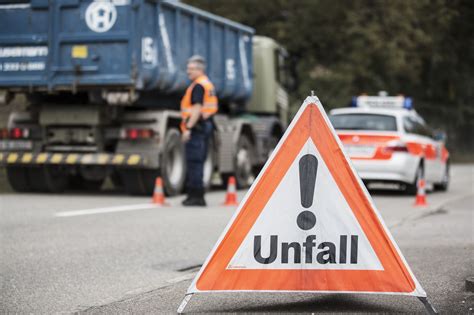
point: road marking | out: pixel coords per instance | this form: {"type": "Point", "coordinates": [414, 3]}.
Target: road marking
{"type": "Point", "coordinates": [105, 210]}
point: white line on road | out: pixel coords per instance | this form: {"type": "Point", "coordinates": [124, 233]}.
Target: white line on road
{"type": "Point", "coordinates": [105, 210]}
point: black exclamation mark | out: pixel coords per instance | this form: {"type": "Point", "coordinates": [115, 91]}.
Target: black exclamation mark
{"type": "Point", "coordinates": [308, 170]}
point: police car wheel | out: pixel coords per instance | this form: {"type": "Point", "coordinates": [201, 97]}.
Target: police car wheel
{"type": "Point", "coordinates": [444, 184]}
{"type": "Point", "coordinates": [173, 163]}
{"type": "Point", "coordinates": [17, 177]}
{"type": "Point", "coordinates": [412, 188]}
{"type": "Point", "coordinates": [243, 163]}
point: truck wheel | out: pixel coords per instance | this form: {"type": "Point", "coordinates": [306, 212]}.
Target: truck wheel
{"type": "Point", "coordinates": [272, 143]}
{"type": "Point", "coordinates": [47, 179]}
{"type": "Point", "coordinates": [131, 180]}
{"type": "Point", "coordinates": [116, 180]}
{"type": "Point", "coordinates": [173, 167]}
{"type": "Point", "coordinates": [17, 177]}
{"type": "Point", "coordinates": [56, 179]}
{"type": "Point", "coordinates": [243, 163]}
{"type": "Point", "coordinates": [209, 165]}
{"type": "Point", "coordinates": [80, 183]}
{"type": "Point", "coordinates": [37, 179]}
{"type": "Point", "coordinates": [444, 184]}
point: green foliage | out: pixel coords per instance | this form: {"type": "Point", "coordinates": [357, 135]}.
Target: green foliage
{"type": "Point", "coordinates": [422, 48]}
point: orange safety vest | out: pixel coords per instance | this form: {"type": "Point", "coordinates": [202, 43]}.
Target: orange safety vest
{"type": "Point", "coordinates": [210, 99]}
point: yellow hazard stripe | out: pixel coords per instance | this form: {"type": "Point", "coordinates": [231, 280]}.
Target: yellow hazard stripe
{"type": "Point", "coordinates": [87, 159]}
{"type": "Point", "coordinates": [12, 157]}
{"type": "Point", "coordinates": [133, 159]}
{"type": "Point", "coordinates": [72, 158]}
{"type": "Point", "coordinates": [27, 158]}
{"type": "Point", "coordinates": [56, 158]}
{"type": "Point", "coordinates": [118, 159]}
{"type": "Point", "coordinates": [41, 158]}
{"type": "Point", "coordinates": [102, 159]}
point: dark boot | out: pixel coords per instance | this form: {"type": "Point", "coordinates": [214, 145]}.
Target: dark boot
{"type": "Point", "coordinates": [200, 197]}
{"type": "Point", "coordinates": [190, 193]}
{"type": "Point", "coordinates": [195, 198]}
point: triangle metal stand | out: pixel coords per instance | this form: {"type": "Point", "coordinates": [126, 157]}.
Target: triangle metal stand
{"type": "Point", "coordinates": [429, 307]}
{"type": "Point", "coordinates": [183, 304]}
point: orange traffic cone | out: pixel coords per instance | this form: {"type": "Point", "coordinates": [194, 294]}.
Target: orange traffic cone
{"type": "Point", "coordinates": [420, 200]}
{"type": "Point", "coordinates": [158, 194]}
{"type": "Point", "coordinates": [231, 196]}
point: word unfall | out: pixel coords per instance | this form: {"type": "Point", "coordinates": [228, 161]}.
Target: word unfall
{"type": "Point", "coordinates": [310, 250]}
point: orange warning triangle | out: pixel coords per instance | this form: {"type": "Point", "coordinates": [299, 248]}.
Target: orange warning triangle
{"type": "Point", "coordinates": [307, 224]}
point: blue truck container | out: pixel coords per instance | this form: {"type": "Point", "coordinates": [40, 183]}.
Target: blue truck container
{"type": "Point", "coordinates": [120, 45]}
{"type": "Point", "coordinates": [103, 81]}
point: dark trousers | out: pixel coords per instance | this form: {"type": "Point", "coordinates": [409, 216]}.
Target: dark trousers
{"type": "Point", "coordinates": [196, 154]}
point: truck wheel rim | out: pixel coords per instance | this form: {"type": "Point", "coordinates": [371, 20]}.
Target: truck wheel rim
{"type": "Point", "coordinates": [243, 166]}
{"type": "Point", "coordinates": [174, 167]}
{"type": "Point", "coordinates": [207, 174]}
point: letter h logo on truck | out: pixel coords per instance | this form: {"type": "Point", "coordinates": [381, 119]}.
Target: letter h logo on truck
{"type": "Point", "coordinates": [101, 16]}
{"type": "Point", "coordinates": [307, 224]}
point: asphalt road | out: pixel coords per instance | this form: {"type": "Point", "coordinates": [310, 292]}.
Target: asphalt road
{"type": "Point", "coordinates": [58, 256]}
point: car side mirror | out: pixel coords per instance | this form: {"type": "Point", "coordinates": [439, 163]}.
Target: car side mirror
{"type": "Point", "coordinates": [439, 135]}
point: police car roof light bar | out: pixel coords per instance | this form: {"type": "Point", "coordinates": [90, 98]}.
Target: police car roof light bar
{"type": "Point", "coordinates": [394, 102]}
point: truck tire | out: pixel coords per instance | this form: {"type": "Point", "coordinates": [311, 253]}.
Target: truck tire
{"type": "Point", "coordinates": [56, 180]}
{"type": "Point", "coordinates": [244, 175]}
{"type": "Point", "coordinates": [116, 180]}
{"type": "Point", "coordinates": [272, 143]}
{"type": "Point", "coordinates": [80, 183]}
{"type": "Point", "coordinates": [47, 179]}
{"type": "Point", "coordinates": [209, 166]}
{"type": "Point", "coordinates": [131, 180]}
{"type": "Point", "coordinates": [18, 179]}
{"type": "Point", "coordinates": [173, 163]}
{"type": "Point", "coordinates": [138, 181]}
{"type": "Point", "coordinates": [37, 179]}
{"type": "Point", "coordinates": [172, 170]}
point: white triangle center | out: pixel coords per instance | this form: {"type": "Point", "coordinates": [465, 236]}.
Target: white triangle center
{"type": "Point", "coordinates": [336, 241]}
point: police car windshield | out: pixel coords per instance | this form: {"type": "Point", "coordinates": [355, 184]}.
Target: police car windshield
{"type": "Point", "coordinates": [372, 122]}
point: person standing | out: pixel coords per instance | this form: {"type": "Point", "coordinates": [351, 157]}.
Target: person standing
{"type": "Point", "coordinates": [198, 105]}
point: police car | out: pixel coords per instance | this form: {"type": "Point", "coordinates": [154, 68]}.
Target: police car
{"type": "Point", "coordinates": [388, 142]}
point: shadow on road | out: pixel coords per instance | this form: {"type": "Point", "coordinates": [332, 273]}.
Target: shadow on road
{"type": "Point", "coordinates": [326, 303]}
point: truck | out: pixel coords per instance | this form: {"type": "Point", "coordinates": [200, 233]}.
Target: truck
{"type": "Point", "coordinates": [103, 81]}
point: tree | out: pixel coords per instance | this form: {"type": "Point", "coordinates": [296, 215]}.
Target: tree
{"type": "Point", "coordinates": [423, 48]}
